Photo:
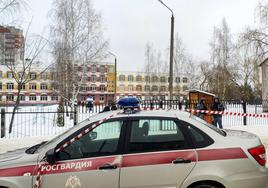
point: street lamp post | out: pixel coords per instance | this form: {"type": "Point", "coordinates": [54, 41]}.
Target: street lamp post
{"type": "Point", "coordinates": [115, 72]}
{"type": "Point", "coordinates": [171, 52]}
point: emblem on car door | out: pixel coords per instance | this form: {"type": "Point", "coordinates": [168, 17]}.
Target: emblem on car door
{"type": "Point", "coordinates": [73, 182]}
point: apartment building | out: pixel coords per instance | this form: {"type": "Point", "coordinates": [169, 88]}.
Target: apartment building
{"type": "Point", "coordinates": [99, 82]}
{"type": "Point", "coordinates": [11, 44]}
{"type": "Point", "coordinates": [149, 85]}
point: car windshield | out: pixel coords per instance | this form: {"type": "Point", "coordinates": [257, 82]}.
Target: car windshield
{"type": "Point", "coordinates": [214, 128]}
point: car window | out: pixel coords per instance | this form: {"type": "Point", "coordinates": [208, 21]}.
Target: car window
{"type": "Point", "coordinates": [101, 141]}
{"type": "Point", "coordinates": [155, 135]}
{"type": "Point", "coordinates": [199, 138]}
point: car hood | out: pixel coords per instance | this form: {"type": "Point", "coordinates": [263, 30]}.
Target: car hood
{"type": "Point", "coordinates": [12, 155]}
{"type": "Point", "coordinates": [17, 158]}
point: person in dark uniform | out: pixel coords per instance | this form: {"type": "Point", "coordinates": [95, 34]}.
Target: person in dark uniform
{"type": "Point", "coordinates": [217, 106]}
{"type": "Point", "coordinates": [201, 106]}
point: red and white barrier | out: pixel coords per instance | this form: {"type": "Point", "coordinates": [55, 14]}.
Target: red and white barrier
{"type": "Point", "coordinates": [210, 112]}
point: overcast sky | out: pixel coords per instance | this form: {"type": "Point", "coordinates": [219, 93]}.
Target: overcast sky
{"type": "Point", "coordinates": [130, 24]}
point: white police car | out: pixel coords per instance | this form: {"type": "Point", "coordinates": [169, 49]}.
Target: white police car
{"type": "Point", "coordinates": [145, 149]}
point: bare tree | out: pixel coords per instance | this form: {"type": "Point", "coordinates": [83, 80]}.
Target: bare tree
{"type": "Point", "coordinates": [149, 66]}
{"type": "Point", "coordinates": [10, 7]}
{"type": "Point", "coordinates": [222, 58]}
{"type": "Point", "coordinates": [247, 69]}
{"type": "Point", "coordinates": [77, 40]}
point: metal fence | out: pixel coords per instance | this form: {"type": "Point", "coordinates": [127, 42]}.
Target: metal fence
{"type": "Point", "coordinates": [38, 121]}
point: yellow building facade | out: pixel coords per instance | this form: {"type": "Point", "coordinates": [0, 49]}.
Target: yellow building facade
{"type": "Point", "coordinates": [147, 86]}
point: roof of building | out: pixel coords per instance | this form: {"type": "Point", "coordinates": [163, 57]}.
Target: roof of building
{"type": "Point", "coordinates": [199, 91]}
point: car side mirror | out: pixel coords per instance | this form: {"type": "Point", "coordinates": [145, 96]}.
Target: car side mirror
{"type": "Point", "coordinates": [93, 135]}
{"type": "Point", "coordinates": [51, 156]}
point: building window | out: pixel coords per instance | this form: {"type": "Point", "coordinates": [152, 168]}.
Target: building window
{"type": "Point", "coordinates": [0, 97]}
{"type": "Point", "coordinates": [93, 87]}
{"type": "Point", "coordinates": [163, 88]}
{"type": "Point", "coordinates": [93, 78]}
{"type": "Point", "coordinates": [43, 86]}
{"type": "Point", "coordinates": [154, 88]}
{"type": "Point", "coordinates": [147, 88]}
{"type": "Point", "coordinates": [1, 74]}
{"type": "Point", "coordinates": [102, 78]}
{"type": "Point", "coordinates": [122, 88]}
{"type": "Point", "coordinates": [111, 69]}
{"type": "Point", "coordinates": [163, 79]}
{"type": "Point", "coordinates": [184, 80]}
{"type": "Point", "coordinates": [43, 97]}
{"type": "Point", "coordinates": [139, 78]}
{"type": "Point", "coordinates": [102, 88]}
{"type": "Point", "coordinates": [1, 86]}
{"type": "Point", "coordinates": [32, 86]}
{"type": "Point", "coordinates": [9, 75]}
{"type": "Point", "coordinates": [21, 75]}
{"type": "Point", "coordinates": [54, 97]}
{"type": "Point", "coordinates": [10, 86]}
{"type": "Point", "coordinates": [54, 75]}
{"type": "Point", "coordinates": [101, 97]}
{"type": "Point", "coordinates": [130, 78]}
{"type": "Point", "coordinates": [147, 79]}
{"type": "Point", "coordinates": [22, 97]}
{"type": "Point", "coordinates": [44, 76]}
{"type": "Point", "coordinates": [138, 88]}
{"type": "Point", "coordinates": [21, 86]}
{"type": "Point", "coordinates": [155, 79]}
{"type": "Point", "coordinates": [32, 76]}
{"type": "Point", "coordinates": [32, 97]}
{"type": "Point", "coordinates": [94, 68]}
{"type": "Point", "coordinates": [102, 69]}
{"type": "Point", "coordinates": [122, 78]}
{"type": "Point", "coordinates": [130, 88]}
{"type": "Point", "coordinates": [10, 97]}
{"type": "Point", "coordinates": [178, 79]}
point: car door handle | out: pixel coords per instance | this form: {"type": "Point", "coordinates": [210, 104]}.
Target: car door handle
{"type": "Point", "coordinates": [108, 167]}
{"type": "Point", "coordinates": [181, 160]}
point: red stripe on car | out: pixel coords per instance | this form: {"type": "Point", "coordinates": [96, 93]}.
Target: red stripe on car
{"type": "Point", "coordinates": [221, 154]}
{"type": "Point", "coordinates": [17, 171]}
{"type": "Point", "coordinates": [156, 158]}
{"type": "Point", "coordinates": [129, 160]}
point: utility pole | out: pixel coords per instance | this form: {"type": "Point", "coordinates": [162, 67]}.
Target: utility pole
{"type": "Point", "coordinates": [171, 52]}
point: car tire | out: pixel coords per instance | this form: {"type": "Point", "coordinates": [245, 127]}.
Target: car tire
{"type": "Point", "coordinates": [205, 185]}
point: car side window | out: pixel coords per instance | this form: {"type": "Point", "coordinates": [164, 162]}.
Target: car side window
{"type": "Point", "coordinates": [156, 135]}
{"type": "Point", "coordinates": [101, 141]}
{"type": "Point", "coordinates": [199, 138]}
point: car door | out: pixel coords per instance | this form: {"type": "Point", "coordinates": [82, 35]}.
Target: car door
{"type": "Point", "coordinates": [94, 160]}
{"type": "Point", "coordinates": [158, 153]}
